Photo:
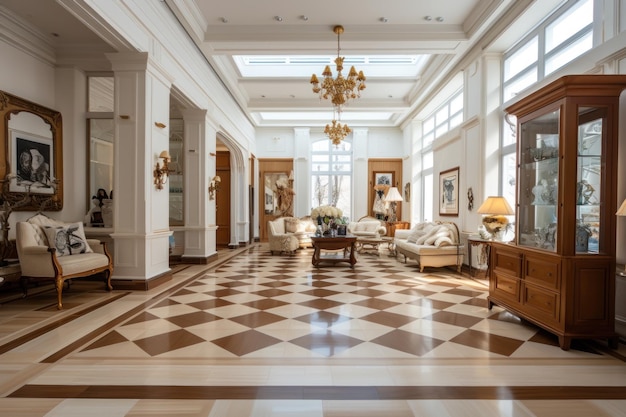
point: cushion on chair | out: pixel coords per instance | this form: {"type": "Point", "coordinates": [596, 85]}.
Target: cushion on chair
{"type": "Point", "coordinates": [68, 239]}
{"type": "Point", "coordinates": [292, 225]}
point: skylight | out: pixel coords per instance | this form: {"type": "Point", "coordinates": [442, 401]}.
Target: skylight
{"type": "Point", "coordinates": [281, 66]}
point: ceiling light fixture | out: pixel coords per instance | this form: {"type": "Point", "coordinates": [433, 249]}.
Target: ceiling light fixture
{"type": "Point", "coordinates": [337, 132]}
{"type": "Point", "coordinates": [278, 18]}
{"type": "Point", "coordinates": [339, 90]}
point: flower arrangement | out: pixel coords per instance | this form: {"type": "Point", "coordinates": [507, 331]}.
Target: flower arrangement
{"type": "Point", "coordinates": [326, 212]}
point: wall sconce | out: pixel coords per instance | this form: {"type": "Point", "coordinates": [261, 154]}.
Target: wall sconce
{"type": "Point", "coordinates": [161, 173]}
{"type": "Point", "coordinates": [214, 186]}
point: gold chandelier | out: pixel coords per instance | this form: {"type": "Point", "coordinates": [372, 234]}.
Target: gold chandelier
{"type": "Point", "coordinates": [339, 90]}
{"type": "Point", "coordinates": [337, 132]}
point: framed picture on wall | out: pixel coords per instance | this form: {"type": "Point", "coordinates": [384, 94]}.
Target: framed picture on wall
{"type": "Point", "coordinates": [449, 192]}
{"type": "Point", "coordinates": [32, 158]}
{"type": "Point", "coordinates": [383, 178]}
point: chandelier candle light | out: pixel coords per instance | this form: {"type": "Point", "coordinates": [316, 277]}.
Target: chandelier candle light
{"type": "Point", "coordinates": [496, 210]}
{"type": "Point", "coordinates": [339, 90]}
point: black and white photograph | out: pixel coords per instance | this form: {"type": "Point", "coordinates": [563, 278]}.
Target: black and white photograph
{"type": "Point", "coordinates": [32, 162]}
{"type": "Point", "coordinates": [449, 192]}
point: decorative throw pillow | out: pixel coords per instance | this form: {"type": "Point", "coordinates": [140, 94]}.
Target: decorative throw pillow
{"type": "Point", "coordinates": [291, 225]}
{"type": "Point", "coordinates": [68, 239]}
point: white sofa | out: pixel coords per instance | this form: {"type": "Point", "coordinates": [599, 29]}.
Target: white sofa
{"type": "Point", "coordinates": [431, 244]}
{"type": "Point", "coordinates": [367, 227]}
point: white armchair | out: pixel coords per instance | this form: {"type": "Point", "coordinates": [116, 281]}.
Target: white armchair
{"type": "Point", "coordinates": [55, 251]}
{"type": "Point", "coordinates": [279, 239]}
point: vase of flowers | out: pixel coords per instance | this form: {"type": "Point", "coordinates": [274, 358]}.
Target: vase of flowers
{"type": "Point", "coordinates": [326, 215]}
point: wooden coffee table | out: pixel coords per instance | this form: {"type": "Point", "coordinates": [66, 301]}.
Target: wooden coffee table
{"type": "Point", "coordinates": [343, 248]}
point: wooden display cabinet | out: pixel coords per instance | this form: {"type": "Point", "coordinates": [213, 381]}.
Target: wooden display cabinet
{"type": "Point", "coordinates": [560, 272]}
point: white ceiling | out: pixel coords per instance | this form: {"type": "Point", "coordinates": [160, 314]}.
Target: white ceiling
{"type": "Point", "coordinates": [404, 54]}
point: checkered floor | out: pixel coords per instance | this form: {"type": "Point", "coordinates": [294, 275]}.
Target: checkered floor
{"type": "Point", "coordinates": [264, 306]}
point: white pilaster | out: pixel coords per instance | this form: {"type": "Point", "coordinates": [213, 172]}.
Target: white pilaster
{"type": "Point", "coordinates": [302, 171]}
{"type": "Point", "coordinates": [200, 137]}
{"type": "Point", "coordinates": [141, 220]}
{"type": "Point", "coordinates": [359, 153]}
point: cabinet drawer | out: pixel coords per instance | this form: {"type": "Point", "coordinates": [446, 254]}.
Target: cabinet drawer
{"type": "Point", "coordinates": [542, 302]}
{"type": "Point", "coordinates": [506, 262]}
{"type": "Point", "coordinates": [542, 273]}
{"type": "Point", "coordinates": [506, 286]}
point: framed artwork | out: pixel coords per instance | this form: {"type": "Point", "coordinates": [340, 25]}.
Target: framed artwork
{"type": "Point", "coordinates": [33, 149]}
{"type": "Point", "coordinates": [449, 192]}
{"type": "Point", "coordinates": [383, 178]}
{"type": "Point", "coordinates": [32, 158]}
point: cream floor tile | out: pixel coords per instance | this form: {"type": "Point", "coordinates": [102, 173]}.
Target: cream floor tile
{"type": "Point", "coordinates": [300, 375]}
{"type": "Point", "coordinates": [469, 408]}
{"type": "Point", "coordinates": [92, 408]}
{"type": "Point", "coordinates": [361, 375]}
{"type": "Point", "coordinates": [171, 408]}
{"type": "Point", "coordinates": [26, 407]}
{"type": "Point", "coordinates": [365, 408]}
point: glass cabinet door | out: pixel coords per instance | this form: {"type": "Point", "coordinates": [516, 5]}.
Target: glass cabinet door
{"type": "Point", "coordinates": [539, 180]}
{"type": "Point", "coordinates": [589, 179]}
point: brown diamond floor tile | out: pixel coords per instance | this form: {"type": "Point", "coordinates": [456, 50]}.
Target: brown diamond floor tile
{"type": "Point", "coordinates": [112, 338]}
{"type": "Point", "coordinates": [265, 304]}
{"type": "Point", "coordinates": [407, 342]}
{"type": "Point", "coordinates": [257, 319]}
{"type": "Point", "coordinates": [454, 319]}
{"type": "Point", "coordinates": [489, 342]}
{"type": "Point", "coordinates": [376, 303]}
{"type": "Point", "coordinates": [223, 292]}
{"type": "Point", "coordinates": [192, 319]}
{"type": "Point", "coordinates": [326, 343]}
{"type": "Point", "coordinates": [323, 318]}
{"type": "Point", "coordinates": [271, 292]}
{"type": "Point", "coordinates": [209, 304]}
{"type": "Point", "coordinates": [368, 292]}
{"type": "Point", "coordinates": [142, 317]}
{"type": "Point", "coordinates": [246, 342]}
{"type": "Point", "coordinates": [389, 319]}
{"type": "Point", "coordinates": [430, 304]}
{"type": "Point", "coordinates": [320, 303]}
{"type": "Point", "coordinates": [320, 292]}
{"type": "Point", "coordinates": [156, 345]}
{"type": "Point", "coordinates": [465, 292]}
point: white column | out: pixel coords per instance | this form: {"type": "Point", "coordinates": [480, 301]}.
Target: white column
{"type": "Point", "coordinates": [141, 220]}
{"type": "Point", "coordinates": [199, 148]}
{"type": "Point", "coordinates": [302, 171]}
{"type": "Point", "coordinates": [360, 204]}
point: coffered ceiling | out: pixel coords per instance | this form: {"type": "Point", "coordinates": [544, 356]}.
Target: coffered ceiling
{"type": "Point", "coordinates": [266, 51]}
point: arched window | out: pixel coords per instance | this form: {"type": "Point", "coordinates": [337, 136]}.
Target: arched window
{"type": "Point", "coordinates": [331, 175]}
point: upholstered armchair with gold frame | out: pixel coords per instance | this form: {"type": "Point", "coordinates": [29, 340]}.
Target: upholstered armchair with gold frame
{"type": "Point", "coordinates": [69, 256]}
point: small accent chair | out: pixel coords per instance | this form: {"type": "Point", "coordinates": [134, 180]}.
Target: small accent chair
{"type": "Point", "coordinates": [279, 239]}
{"type": "Point", "coordinates": [69, 256]}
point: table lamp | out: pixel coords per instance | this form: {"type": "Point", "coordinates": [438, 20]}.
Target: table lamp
{"type": "Point", "coordinates": [621, 211]}
{"type": "Point", "coordinates": [496, 209]}
{"type": "Point", "coordinates": [393, 196]}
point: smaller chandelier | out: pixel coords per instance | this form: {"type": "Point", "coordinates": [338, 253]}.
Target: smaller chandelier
{"type": "Point", "coordinates": [337, 132]}
{"type": "Point", "coordinates": [339, 90]}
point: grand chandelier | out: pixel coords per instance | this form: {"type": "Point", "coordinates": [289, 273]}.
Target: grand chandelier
{"type": "Point", "coordinates": [337, 132]}
{"type": "Point", "coordinates": [339, 90]}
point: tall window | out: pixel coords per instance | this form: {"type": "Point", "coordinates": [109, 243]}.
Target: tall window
{"type": "Point", "coordinates": [101, 134]}
{"type": "Point", "coordinates": [444, 119]}
{"type": "Point", "coordinates": [565, 35]}
{"type": "Point", "coordinates": [331, 177]}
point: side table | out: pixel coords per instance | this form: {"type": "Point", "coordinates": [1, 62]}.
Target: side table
{"type": "Point", "coordinates": [485, 254]}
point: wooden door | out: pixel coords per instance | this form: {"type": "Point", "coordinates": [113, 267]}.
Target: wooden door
{"type": "Point", "coordinates": [222, 199]}
{"type": "Point", "coordinates": [388, 171]}
{"type": "Point", "coordinates": [269, 171]}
